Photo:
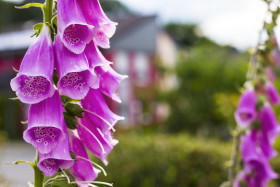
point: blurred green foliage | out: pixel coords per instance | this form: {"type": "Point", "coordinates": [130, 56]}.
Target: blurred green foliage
{"type": "Point", "coordinates": [144, 160]}
{"type": "Point", "coordinates": [209, 77]}
{"type": "Point", "coordinates": [159, 160]}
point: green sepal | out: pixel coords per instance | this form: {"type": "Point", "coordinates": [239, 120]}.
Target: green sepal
{"type": "Point", "coordinates": [55, 77]}
{"type": "Point", "coordinates": [65, 99]}
{"type": "Point", "coordinates": [74, 109]}
{"type": "Point", "coordinates": [70, 121]}
{"type": "Point", "coordinates": [28, 5]}
{"type": "Point", "coordinates": [37, 28]}
{"type": "Point", "coordinates": [73, 155]}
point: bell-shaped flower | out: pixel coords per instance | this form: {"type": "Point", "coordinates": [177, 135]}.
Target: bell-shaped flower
{"type": "Point", "coordinates": [82, 170]}
{"type": "Point", "coordinates": [58, 158]}
{"type": "Point", "coordinates": [246, 111]}
{"type": "Point", "coordinates": [46, 126]}
{"type": "Point", "coordinates": [100, 144]}
{"type": "Point", "coordinates": [73, 29]}
{"type": "Point", "coordinates": [261, 141]}
{"type": "Point", "coordinates": [75, 78]}
{"type": "Point", "coordinates": [269, 124]}
{"type": "Point", "coordinates": [94, 56]}
{"type": "Point", "coordinates": [98, 112]}
{"type": "Point", "coordinates": [272, 93]}
{"type": "Point", "coordinates": [33, 83]}
{"type": "Point", "coordinates": [256, 166]}
{"type": "Point", "coordinates": [109, 81]}
{"type": "Point", "coordinates": [105, 28]}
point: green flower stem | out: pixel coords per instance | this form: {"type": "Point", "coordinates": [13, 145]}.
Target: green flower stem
{"type": "Point", "coordinates": [48, 11]}
{"type": "Point", "coordinates": [38, 174]}
{"type": "Point", "coordinates": [234, 156]}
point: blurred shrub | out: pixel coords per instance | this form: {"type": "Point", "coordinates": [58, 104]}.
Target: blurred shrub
{"type": "Point", "coordinates": [207, 74]}
{"type": "Point", "coordinates": [167, 160]}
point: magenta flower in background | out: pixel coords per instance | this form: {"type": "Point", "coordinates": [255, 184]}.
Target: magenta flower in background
{"type": "Point", "coordinates": [73, 29]}
{"type": "Point", "coordinates": [59, 157]}
{"type": "Point", "coordinates": [82, 169]}
{"type": "Point", "coordinates": [272, 93]}
{"type": "Point", "coordinates": [95, 103]}
{"type": "Point", "coordinates": [94, 56]}
{"type": "Point", "coordinates": [270, 74]}
{"type": "Point", "coordinates": [33, 83]}
{"type": "Point", "coordinates": [269, 124]}
{"type": "Point", "coordinates": [256, 166]}
{"type": "Point", "coordinates": [46, 126]}
{"type": "Point", "coordinates": [109, 77]}
{"type": "Point", "coordinates": [246, 111]}
{"type": "Point", "coordinates": [104, 27]}
{"type": "Point", "coordinates": [99, 143]}
{"type": "Point", "coordinates": [75, 78]}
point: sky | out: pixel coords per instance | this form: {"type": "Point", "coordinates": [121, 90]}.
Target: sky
{"type": "Point", "coordinates": [233, 22]}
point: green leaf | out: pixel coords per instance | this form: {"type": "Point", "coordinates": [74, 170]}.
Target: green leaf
{"type": "Point", "coordinates": [74, 109]}
{"type": "Point", "coordinates": [70, 121]}
{"type": "Point", "coordinates": [39, 5]}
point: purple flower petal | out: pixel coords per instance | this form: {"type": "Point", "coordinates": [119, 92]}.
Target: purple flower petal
{"type": "Point", "coordinates": [256, 165]}
{"type": "Point", "coordinates": [94, 56]}
{"type": "Point", "coordinates": [269, 124]}
{"type": "Point", "coordinates": [100, 144]}
{"type": "Point", "coordinates": [109, 81]}
{"type": "Point", "coordinates": [73, 71]}
{"type": "Point", "coordinates": [82, 170]}
{"type": "Point", "coordinates": [33, 83]}
{"type": "Point", "coordinates": [46, 126]}
{"type": "Point", "coordinates": [57, 158]}
{"type": "Point", "coordinates": [95, 16]}
{"type": "Point", "coordinates": [73, 30]}
{"type": "Point", "coordinates": [246, 111]}
{"type": "Point", "coordinates": [96, 104]}
{"type": "Point", "coordinates": [272, 93]}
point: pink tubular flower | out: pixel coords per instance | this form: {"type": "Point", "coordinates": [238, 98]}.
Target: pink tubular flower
{"type": "Point", "coordinates": [57, 158]}
{"type": "Point", "coordinates": [246, 111]}
{"type": "Point", "coordinates": [269, 124]}
{"type": "Point", "coordinates": [272, 93]}
{"type": "Point", "coordinates": [104, 27]}
{"type": "Point", "coordinates": [109, 81]}
{"type": "Point", "coordinates": [82, 169]}
{"type": "Point", "coordinates": [75, 78]}
{"type": "Point", "coordinates": [256, 167]}
{"type": "Point", "coordinates": [73, 29]}
{"type": "Point", "coordinates": [97, 111]}
{"type": "Point", "coordinates": [100, 144]}
{"type": "Point", "coordinates": [33, 83]}
{"type": "Point", "coordinates": [46, 126]}
{"type": "Point", "coordinates": [94, 56]}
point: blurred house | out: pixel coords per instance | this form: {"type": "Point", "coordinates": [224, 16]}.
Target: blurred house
{"type": "Point", "coordinates": [137, 49]}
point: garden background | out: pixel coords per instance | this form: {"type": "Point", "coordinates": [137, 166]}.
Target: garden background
{"type": "Point", "coordinates": [183, 88]}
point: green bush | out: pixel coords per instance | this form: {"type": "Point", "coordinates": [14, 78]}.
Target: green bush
{"type": "Point", "coordinates": [167, 160]}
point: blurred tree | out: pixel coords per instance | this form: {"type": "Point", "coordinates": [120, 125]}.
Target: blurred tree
{"type": "Point", "coordinates": [208, 73]}
{"type": "Point", "coordinates": [185, 35]}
